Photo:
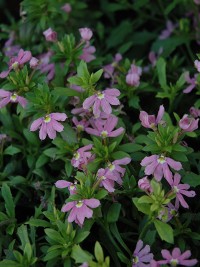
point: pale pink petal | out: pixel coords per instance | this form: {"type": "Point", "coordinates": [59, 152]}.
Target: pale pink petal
{"type": "Point", "coordinates": [96, 107]}
{"type": "Point", "coordinates": [176, 253]}
{"type": "Point", "coordinates": [116, 132]}
{"type": "Point", "coordinates": [111, 123]}
{"type": "Point", "coordinates": [160, 114]}
{"type": "Point", "coordinates": [4, 74]}
{"type": "Point", "coordinates": [112, 92]}
{"type": "Point", "coordinates": [4, 102]}
{"type": "Point", "coordinates": [50, 130]}
{"type": "Point", "coordinates": [59, 116]}
{"type": "Point", "coordinates": [92, 203]}
{"type": "Point", "coordinates": [4, 93]}
{"type": "Point", "coordinates": [158, 172]}
{"type": "Point", "coordinates": [147, 160]}
{"type": "Point", "coordinates": [43, 131]}
{"type": "Point", "coordinates": [89, 102]}
{"type": "Point", "coordinates": [123, 161]}
{"type": "Point", "coordinates": [36, 124]}
{"type": "Point", "coordinates": [174, 164]}
{"type": "Point", "coordinates": [189, 262]}
{"type": "Point", "coordinates": [22, 101]}
{"type": "Point", "coordinates": [182, 201]}
{"type": "Point", "coordinates": [166, 254]}
{"type": "Point", "coordinates": [73, 214]}
{"type": "Point", "coordinates": [62, 184]}
{"type": "Point", "coordinates": [57, 126]}
{"type": "Point", "coordinates": [138, 247]}
{"type": "Point", "coordinates": [113, 100]}
{"type": "Point", "coordinates": [92, 131]}
{"type": "Point", "coordinates": [150, 169]}
{"type": "Point", "coordinates": [106, 106]}
{"type": "Point", "coordinates": [68, 206]}
{"type": "Point", "coordinates": [188, 193]}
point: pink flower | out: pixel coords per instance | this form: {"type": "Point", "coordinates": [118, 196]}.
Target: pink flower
{"type": "Point", "coordinates": [197, 65]}
{"type": "Point", "coordinates": [133, 76]}
{"type": "Point", "coordinates": [105, 130]}
{"type": "Point", "coordinates": [34, 62]}
{"type": "Point", "coordinates": [88, 52]}
{"type": "Point", "coordinates": [153, 56]}
{"type": "Point", "coordinates": [110, 68]}
{"type": "Point", "coordinates": [49, 125]}
{"type": "Point", "coordinates": [107, 180]}
{"type": "Point", "coordinates": [7, 97]}
{"type": "Point", "coordinates": [82, 157]}
{"type": "Point", "coordinates": [79, 210]}
{"type": "Point", "coordinates": [197, 2]}
{"type": "Point", "coordinates": [188, 124]}
{"type": "Point", "coordinates": [85, 264]}
{"type": "Point", "coordinates": [195, 112]}
{"type": "Point", "coordinates": [175, 258]}
{"type": "Point", "coordinates": [63, 184]}
{"type": "Point", "coordinates": [144, 184]}
{"type": "Point", "coordinates": [168, 31]}
{"type": "Point", "coordinates": [141, 256]}
{"type": "Point", "coordinates": [116, 170]}
{"type": "Point", "coordinates": [150, 121]}
{"type": "Point", "coordinates": [45, 66]}
{"type": "Point", "coordinates": [191, 82]}
{"type": "Point", "coordinates": [102, 100]}
{"type": "Point", "coordinates": [17, 62]}
{"type": "Point", "coordinates": [67, 8]}
{"type": "Point", "coordinates": [80, 125]}
{"type": "Point", "coordinates": [181, 189]}
{"type": "Point", "coordinates": [86, 34]}
{"type": "Point", "coordinates": [50, 35]}
{"type": "Point", "coordinates": [158, 166]}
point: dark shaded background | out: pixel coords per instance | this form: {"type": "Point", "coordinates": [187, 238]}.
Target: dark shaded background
{"type": "Point", "coordinates": [8, 6]}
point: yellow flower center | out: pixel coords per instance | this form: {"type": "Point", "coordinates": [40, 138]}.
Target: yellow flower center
{"type": "Point", "coordinates": [100, 95]}
{"type": "Point", "coordinates": [135, 260]}
{"type": "Point", "coordinates": [79, 204]}
{"type": "Point", "coordinates": [72, 187]}
{"type": "Point", "coordinates": [47, 119]}
{"type": "Point", "coordinates": [15, 65]}
{"type": "Point", "coordinates": [174, 262]}
{"type": "Point", "coordinates": [104, 134]}
{"type": "Point", "coordinates": [111, 167]}
{"type": "Point", "coordinates": [161, 159]}
{"type": "Point", "coordinates": [175, 189]}
{"type": "Point", "coordinates": [80, 127]}
{"type": "Point", "coordinates": [13, 97]}
{"type": "Point", "coordinates": [76, 156]}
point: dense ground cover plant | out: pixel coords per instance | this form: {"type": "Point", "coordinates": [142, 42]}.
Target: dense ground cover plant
{"type": "Point", "coordinates": [99, 113]}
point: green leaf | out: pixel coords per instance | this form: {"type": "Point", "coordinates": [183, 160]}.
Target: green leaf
{"type": "Point", "coordinates": [9, 203]}
{"type": "Point", "coordinates": [96, 76]}
{"type": "Point", "coordinates": [98, 252]}
{"type": "Point", "coordinates": [38, 223]}
{"type": "Point", "coordinates": [52, 255]}
{"type": "Point", "coordinates": [69, 135]}
{"type": "Point", "coordinates": [120, 155]}
{"type": "Point", "coordinates": [192, 179]}
{"type": "Point", "coordinates": [23, 235]}
{"type": "Point", "coordinates": [130, 147]}
{"type": "Point", "coordinates": [80, 236]}
{"type": "Point", "coordinates": [161, 70]}
{"type": "Point", "coordinates": [145, 199]}
{"type": "Point", "coordinates": [9, 263]}
{"type": "Point", "coordinates": [102, 193]}
{"type": "Point", "coordinates": [11, 150]}
{"type": "Point", "coordinates": [179, 156]}
{"type": "Point", "coordinates": [165, 231]}
{"type": "Point", "coordinates": [145, 208]}
{"type": "Point", "coordinates": [62, 91]}
{"type": "Point", "coordinates": [54, 235]}
{"type": "Point", "coordinates": [28, 252]}
{"type": "Point", "coordinates": [80, 255]}
{"type": "Point", "coordinates": [113, 212]}
{"type": "Point", "coordinates": [42, 160]}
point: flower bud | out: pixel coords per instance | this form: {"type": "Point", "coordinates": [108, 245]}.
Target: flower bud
{"type": "Point", "coordinates": [50, 35]}
{"type": "Point", "coordinates": [86, 33]}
